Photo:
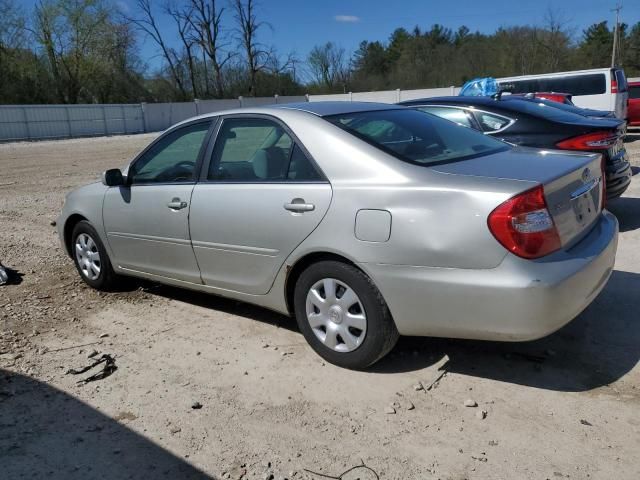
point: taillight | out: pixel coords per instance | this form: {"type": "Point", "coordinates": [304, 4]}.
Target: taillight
{"type": "Point", "coordinates": [523, 225]}
{"type": "Point", "coordinates": [614, 86]}
{"type": "Point", "coordinates": [589, 141]}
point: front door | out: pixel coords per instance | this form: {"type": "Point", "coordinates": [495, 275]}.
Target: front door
{"type": "Point", "coordinates": [261, 198]}
{"type": "Point", "coordinates": [147, 221]}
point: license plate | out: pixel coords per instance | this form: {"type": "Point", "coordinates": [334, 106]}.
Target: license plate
{"type": "Point", "coordinates": [583, 204]}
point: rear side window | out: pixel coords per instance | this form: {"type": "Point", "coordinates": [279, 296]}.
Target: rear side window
{"type": "Point", "coordinates": [634, 91]}
{"type": "Point", "coordinates": [456, 115]}
{"type": "Point", "coordinates": [414, 137]}
{"type": "Point", "coordinates": [590, 84]}
{"type": "Point", "coordinates": [490, 122]}
{"type": "Point", "coordinates": [258, 150]}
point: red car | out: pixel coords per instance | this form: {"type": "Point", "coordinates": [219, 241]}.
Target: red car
{"type": "Point", "coordinates": [553, 96]}
{"type": "Point", "coordinates": [633, 105]}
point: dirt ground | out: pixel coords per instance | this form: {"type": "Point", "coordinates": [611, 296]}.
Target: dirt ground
{"type": "Point", "coordinates": [562, 407]}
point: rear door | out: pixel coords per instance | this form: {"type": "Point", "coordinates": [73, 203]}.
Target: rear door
{"type": "Point", "coordinates": [259, 197]}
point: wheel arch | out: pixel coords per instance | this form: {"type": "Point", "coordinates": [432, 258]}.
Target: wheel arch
{"type": "Point", "coordinates": [69, 225]}
{"type": "Point", "coordinates": [294, 271]}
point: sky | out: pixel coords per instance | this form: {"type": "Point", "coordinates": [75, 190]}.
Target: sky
{"type": "Point", "coordinates": [298, 25]}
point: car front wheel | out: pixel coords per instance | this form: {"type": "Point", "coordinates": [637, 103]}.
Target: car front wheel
{"type": "Point", "coordinates": [342, 315]}
{"type": "Point", "coordinates": [90, 257]}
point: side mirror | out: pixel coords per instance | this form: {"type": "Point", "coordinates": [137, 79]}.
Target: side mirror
{"type": "Point", "coordinates": [112, 177]}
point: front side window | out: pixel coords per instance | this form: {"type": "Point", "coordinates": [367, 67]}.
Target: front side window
{"type": "Point", "coordinates": [421, 139]}
{"type": "Point", "coordinates": [490, 122]}
{"type": "Point", "coordinates": [173, 158]}
{"type": "Point", "coordinates": [258, 150]}
{"type": "Point", "coordinates": [456, 115]}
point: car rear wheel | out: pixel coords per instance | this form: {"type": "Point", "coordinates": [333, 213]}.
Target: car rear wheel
{"type": "Point", "coordinates": [342, 315]}
{"type": "Point", "coordinates": [91, 259]}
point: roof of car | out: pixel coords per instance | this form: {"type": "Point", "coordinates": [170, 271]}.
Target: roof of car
{"type": "Point", "coordinates": [507, 102]}
{"type": "Point", "coordinates": [336, 108]}
{"type": "Point", "coordinates": [451, 99]}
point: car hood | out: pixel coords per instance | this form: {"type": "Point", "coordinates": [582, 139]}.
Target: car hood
{"type": "Point", "coordinates": [519, 163]}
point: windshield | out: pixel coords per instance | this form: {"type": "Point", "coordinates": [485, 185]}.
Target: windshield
{"type": "Point", "coordinates": [417, 137]}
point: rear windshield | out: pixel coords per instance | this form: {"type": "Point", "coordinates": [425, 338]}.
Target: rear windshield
{"type": "Point", "coordinates": [546, 109]}
{"type": "Point", "coordinates": [417, 137]}
{"type": "Point", "coordinates": [634, 91]}
{"type": "Point", "coordinates": [561, 106]}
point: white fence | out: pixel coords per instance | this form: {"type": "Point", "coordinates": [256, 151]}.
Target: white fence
{"type": "Point", "coordinates": [39, 122]}
{"type": "Point", "coordinates": [386, 96]}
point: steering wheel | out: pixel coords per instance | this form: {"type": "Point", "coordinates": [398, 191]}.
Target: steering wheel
{"type": "Point", "coordinates": [178, 172]}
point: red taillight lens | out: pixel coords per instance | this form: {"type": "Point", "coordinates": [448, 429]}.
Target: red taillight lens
{"type": "Point", "coordinates": [589, 141]}
{"type": "Point", "coordinates": [524, 226]}
{"type": "Point", "coordinates": [614, 86]}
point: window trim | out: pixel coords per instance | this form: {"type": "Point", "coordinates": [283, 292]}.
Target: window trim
{"type": "Point", "coordinates": [208, 154]}
{"type": "Point", "coordinates": [196, 169]}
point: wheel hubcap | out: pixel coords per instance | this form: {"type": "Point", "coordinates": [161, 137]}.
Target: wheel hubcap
{"type": "Point", "coordinates": [88, 257]}
{"type": "Point", "coordinates": [336, 315]}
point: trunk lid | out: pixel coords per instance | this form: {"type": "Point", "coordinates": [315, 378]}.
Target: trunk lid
{"type": "Point", "coordinates": [572, 182]}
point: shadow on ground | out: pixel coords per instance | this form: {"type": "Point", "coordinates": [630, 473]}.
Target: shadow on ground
{"type": "Point", "coordinates": [627, 210]}
{"type": "Point", "coordinates": [48, 434]}
{"type": "Point", "coordinates": [594, 350]}
{"type": "Point", "coordinates": [632, 136]}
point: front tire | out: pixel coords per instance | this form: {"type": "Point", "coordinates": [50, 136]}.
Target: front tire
{"type": "Point", "coordinates": [91, 258]}
{"type": "Point", "coordinates": [343, 316]}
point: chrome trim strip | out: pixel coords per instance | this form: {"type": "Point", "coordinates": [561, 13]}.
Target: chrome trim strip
{"type": "Point", "coordinates": [587, 187]}
{"type": "Point", "coordinates": [150, 238]}
{"type": "Point", "coordinates": [265, 252]}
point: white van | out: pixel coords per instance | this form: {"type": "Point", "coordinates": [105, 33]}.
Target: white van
{"type": "Point", "coordinates": [599, 88]}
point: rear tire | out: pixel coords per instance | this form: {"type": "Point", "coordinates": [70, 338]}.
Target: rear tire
{"type": "Point", "coordinates": [91, 258]}
{"type": "Point", "coordinates": [343, 316]}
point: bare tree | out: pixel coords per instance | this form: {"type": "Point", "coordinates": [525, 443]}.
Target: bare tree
{"type": "Point", "coordinates": [257, 56]}
{"type": "Point", "coordinates": [328, 65]}
{"type": "Point", "coordinates": [70, 32]}
{"type": "Point", "coordinates": [147, 23]}
{"type": "Point", "coordinates": [206, 22]}
{"type": "Point", "coordinates": [555, 38]}
{"type": "Point", "coordinates": [12, 26]}
{"type": "Point", "coordinates": [184, 24]}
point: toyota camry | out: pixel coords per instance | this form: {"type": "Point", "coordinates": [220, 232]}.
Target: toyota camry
{"type": "Point", "coordinates": [364, 221]}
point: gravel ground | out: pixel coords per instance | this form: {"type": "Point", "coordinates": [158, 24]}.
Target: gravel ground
{"type": "Point", "coordinates": [562, 407]}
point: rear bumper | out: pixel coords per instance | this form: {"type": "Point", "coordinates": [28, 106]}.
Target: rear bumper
{"type": "Point", "coordinates": [518, 300]}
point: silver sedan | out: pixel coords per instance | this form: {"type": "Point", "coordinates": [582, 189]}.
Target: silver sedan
{"type": "Point", "coordinates": [364, 221]}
